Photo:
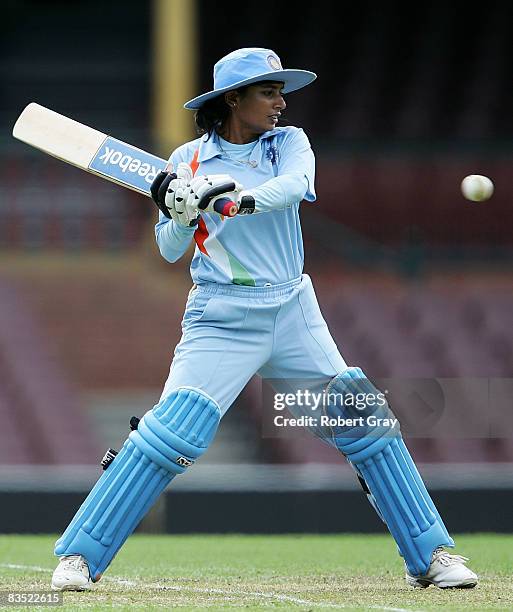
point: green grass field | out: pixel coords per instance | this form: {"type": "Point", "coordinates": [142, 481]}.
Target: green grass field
{"type": "Point", "coordinates": [306, 572]}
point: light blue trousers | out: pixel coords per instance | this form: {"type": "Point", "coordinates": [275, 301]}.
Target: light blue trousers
{"type": "Point", "coordinates": [231, 332]}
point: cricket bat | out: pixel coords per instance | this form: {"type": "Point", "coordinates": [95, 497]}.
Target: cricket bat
{"type": "Point", "coordinates": [95, 152]}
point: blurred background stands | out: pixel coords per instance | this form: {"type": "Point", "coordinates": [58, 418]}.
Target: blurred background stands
{"type": "Point", "coordinates": [413, 280]}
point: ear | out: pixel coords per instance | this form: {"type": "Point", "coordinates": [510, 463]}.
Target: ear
{"type": "Point", "coordinates": [231, 98]}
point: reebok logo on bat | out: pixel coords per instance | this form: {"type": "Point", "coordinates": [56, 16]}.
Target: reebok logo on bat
{"type": "Point", "coordinates": [127, 164]}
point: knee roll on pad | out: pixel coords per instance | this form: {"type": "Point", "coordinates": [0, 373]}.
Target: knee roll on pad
{"type": "Point", "coordinates": [375, 447]}
{"type": "Point", "coordinates": [168, 439]}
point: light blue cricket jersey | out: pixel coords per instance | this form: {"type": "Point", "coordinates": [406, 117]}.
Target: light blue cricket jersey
{"type": "Point", "coordinates": [258, 249]}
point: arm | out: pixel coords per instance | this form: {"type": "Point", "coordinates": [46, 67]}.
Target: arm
{"type": "Point", "coordinates": [173, 239]}
{"type": "Point", "coordinates": [279, 192]}
{"type": "Point", "coordinates": [295, 180]}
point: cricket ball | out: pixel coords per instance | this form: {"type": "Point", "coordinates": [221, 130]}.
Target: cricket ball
{"type": "Point", "coordinates": [476, 187]}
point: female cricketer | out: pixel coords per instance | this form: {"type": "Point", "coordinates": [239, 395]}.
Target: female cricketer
{"type": "Point", "coordinates": [251, 310]}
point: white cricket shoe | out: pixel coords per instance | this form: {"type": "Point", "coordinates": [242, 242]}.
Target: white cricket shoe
{"type": "Point", "coordinates": [72, 574]}
{"type": "Point", "coordinates": [446, 571]}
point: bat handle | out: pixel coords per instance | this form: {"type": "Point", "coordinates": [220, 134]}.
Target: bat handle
{"type": "Point", "coordinates": [226, 207]}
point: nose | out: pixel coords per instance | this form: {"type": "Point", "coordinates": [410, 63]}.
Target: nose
{"type": "Point", "coordinates": [280, 103]}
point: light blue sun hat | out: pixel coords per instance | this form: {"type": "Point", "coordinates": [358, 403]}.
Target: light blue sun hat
{"type": "Point", "coordinates": [250, 65]}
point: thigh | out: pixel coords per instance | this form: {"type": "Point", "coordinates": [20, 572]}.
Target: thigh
{"type": "Point", "coordinates": [305, 358]}
{"type": "Point", "coordinates": [303, 346]}
{"type": "Point", "coordinates": [223, 344]}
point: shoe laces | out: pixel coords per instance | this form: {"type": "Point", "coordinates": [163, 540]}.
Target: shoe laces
{"type": "Point", "coordinates": [445, 558]}
{"type": "Point", "coordinates": [74, 562]}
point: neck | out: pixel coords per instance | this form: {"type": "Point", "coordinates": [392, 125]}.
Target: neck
{"type": "Point", "coordinates": [236, 134]}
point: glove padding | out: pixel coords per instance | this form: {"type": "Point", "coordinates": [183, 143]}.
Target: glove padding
{"type": "Point", "coordinates": [182, 198]}
{"type": "Point", "coordinates": [176, 195]}
{"type": "Point", "coordinates": [204, 191]}
{"type": "Point", "coordinates": [158, 190]}
{"type": "Point", "coordinates": [164, 186]}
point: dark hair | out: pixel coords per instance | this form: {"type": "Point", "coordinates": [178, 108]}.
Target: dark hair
{"type": "Point", "coordinates": [213, 113]}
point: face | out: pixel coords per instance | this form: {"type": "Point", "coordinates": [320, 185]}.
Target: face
{"type": "Point", "coordinates": [257, 108]}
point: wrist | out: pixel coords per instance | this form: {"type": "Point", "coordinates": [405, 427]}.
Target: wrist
{"type": "Point", "coordinates": [186, 230]}
{"type": "Point", "coordinates": [246, 203]}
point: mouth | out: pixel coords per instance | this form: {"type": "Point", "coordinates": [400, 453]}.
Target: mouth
{"type": "Point", "coordinates": [275, 118]}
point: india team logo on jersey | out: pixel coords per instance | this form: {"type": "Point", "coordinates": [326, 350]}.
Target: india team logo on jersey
{"type": "Point", "coordinates": [271, 154]}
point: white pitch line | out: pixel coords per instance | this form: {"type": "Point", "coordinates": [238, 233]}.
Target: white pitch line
{"type": "Point", "coordinates": [275, 596]}
{"type": "Point", "coordinates": [34, 568]}
{"type": "Point", "coordinates": [271, 595]}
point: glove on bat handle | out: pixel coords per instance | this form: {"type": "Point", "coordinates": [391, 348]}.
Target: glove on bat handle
{"type": "Point", "coordinates": [223, 206]}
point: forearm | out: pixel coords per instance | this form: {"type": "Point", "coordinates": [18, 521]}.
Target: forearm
{"type": "Point", "coordinates": [280, 192]}
{"type": "Point", "coordinates": [173, 239]}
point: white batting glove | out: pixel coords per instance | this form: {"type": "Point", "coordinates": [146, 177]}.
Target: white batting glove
{"type": "Point", "coordinates": [204, 191]}
{"type": "Point", "coordinates": [175, 193]}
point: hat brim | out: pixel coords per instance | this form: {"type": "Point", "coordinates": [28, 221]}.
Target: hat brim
{"type": "Point", "coordinates": [292, 80]}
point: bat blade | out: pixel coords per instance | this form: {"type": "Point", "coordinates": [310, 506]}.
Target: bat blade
{"type": "Point", "coordinates": [87, 148]}
{"type": "Point", "coordinates": [94, 151]}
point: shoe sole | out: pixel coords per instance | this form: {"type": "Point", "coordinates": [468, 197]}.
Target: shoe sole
{"type": "Point", "coordinates": [424, 584]}
{"type": "Point", "coordinates": [86, 587]}
{"type": "Point", "coordinates": [469, 584]}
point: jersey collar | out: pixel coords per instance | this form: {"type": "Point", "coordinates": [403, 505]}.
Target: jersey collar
{"type": "Point", "coordinates": [210, 148]}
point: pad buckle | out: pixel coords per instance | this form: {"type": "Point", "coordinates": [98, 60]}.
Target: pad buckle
{"type": "Point", "coordinates": [108, 458]}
